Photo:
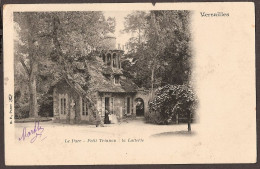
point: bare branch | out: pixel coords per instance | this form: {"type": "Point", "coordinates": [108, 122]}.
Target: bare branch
{"type": "Point", "coordinates": [24, 66]}
{"type": "Point", "coordinates": [45, 35]}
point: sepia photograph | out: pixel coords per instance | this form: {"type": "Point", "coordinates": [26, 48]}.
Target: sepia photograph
{"type": "Point", "coordinates": [71, 69]}
{"type": "Point", "coordinates": [127, 84]}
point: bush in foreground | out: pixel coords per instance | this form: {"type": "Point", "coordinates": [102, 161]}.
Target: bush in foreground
{"type": "Point", "coordinates": [170, 100]}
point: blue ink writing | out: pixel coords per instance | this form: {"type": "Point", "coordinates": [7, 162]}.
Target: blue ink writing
{"type": "Point", "coordinates": [33, 134]}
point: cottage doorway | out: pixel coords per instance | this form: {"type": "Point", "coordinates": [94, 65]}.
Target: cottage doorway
{"type": "Point", "coordinates": [107, 105]}
{"type": "Point", "coordinates": [139, 107]}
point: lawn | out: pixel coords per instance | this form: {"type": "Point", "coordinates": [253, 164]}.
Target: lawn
{"type": "Point", "coordinates": [134, 128]}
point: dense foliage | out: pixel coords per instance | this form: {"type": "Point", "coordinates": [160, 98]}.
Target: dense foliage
{"type": "Point", "coordinates": [170, 100]}
{"type": "Point", "coordinates": [49, 46]}
{"type": "Point", "coordinates": [159, 57]}
{"type": "Point", "coordinates": [160, 50]}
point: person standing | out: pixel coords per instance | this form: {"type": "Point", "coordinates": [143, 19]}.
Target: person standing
{"type": "Point", "coordinates": [107, 117]}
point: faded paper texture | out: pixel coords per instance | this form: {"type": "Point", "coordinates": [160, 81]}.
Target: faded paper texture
{"type": "Point", "coordinates": [221, 54]}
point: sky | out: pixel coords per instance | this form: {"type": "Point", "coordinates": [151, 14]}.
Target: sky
{"type": "Point", "coordinates": [119, 16]}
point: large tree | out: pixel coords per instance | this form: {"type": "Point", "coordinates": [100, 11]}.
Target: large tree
{"type": "Point", "coordinates": [135, 23]}
{"type": "Point", "coordinates": [163, 58]}
{"type": "Point", "coordinates": [31, 49]}
{"type": "Point", "coordinates": [111, 21]}
{"type": "Point", "coordinates": [49, 44]}
{"type": "Point", "coordinates": [165, 49]}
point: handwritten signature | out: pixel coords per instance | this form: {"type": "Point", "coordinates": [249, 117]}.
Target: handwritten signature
{"type": "Point", "coordinates": [34, 133]}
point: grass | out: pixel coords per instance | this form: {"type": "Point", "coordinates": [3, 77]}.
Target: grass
{"type": "Point", "coordinates": [175, 133]}
{"type": "Point", "coordinates": [32, 119]}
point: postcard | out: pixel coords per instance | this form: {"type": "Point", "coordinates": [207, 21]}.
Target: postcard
{"type": "Point", "coordinates": [95, 84]}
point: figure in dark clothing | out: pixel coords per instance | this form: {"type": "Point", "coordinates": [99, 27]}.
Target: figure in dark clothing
{"type": "Point", "coordinates": [106, 121]}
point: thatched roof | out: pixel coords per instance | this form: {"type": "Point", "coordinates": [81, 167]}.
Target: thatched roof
{"type": "Point", "coordinates": [110, 70]}
{"type": "Point", "coordinates": [76, 87]}
{"type": "Point", "coordinates": [98, 82]}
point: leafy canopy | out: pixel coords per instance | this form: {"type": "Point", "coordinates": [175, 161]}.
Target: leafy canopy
{"type": "Point", "coordinates": [170, 100]}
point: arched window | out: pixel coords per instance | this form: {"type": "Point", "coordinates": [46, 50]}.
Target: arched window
{"type": "Point", "coordinates": [84, 108]}
{"type": "Point", "coordinates": [114, 60]}
{"type": "Point", "coordinates": [104, 57]}
{"type": "Point", "coordinates": [108, 59]}
{"type": "Point", "coordinates": [117, 79]}
{"type": "Point", "coordinates": [118, 62]}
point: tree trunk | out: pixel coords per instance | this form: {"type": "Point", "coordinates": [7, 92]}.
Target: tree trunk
{"type": "Point", "coordinates": [177, 118]}
{"type": "Point", "coordinates": [33, 71]}
{"type": "Point", "coordinates": [139, 36]}
{"type": "Point", "coordinates": [189, 121]}
{"type": "Point", "coordinates": [33, 92]}
{"type": "Point", "coordinates": [152, 79]}
{"type": "Point", "coordinates": [56, 25]}
{"type": "Point", "coordinates": [61, 61]}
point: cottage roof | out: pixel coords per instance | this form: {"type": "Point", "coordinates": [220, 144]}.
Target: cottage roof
{"type": "Point", "coordinates": [76, 87]}
{"type": "Point", "coordinates": [110, 70]}
{"type": "Point", "coordinates": [98, 82]}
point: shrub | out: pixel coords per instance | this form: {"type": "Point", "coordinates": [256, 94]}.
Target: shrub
{"type": "Point", "coordinates": [21, 110]}
{"type": "Point", "coordinates": [45, 105]}
{"type": "Point", "coordinates": [168, 101]}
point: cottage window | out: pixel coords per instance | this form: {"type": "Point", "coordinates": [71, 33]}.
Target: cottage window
{"type": "Point", "coordinates": [84, 109]}
{"type": "Point", "coordinates": [118, 62]}
{"type": "Point", "coordinates": [117, 79]}
{"type": "Point", "coordinates": [104, 58]}
{"type": "Point", "coordinates": [63, 106]}
{"type": "Point", "coordinates": [112, 105]}
{"type": "Point", "coordinates": [128, 105]}
{"type": "Point", "coordinates": [114, 60]}
{"type": "Point", "coordinates": [108, 59]}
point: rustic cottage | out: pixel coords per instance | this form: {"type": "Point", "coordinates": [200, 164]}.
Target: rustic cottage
{"type": "Point", "coordinates": [108, 90]}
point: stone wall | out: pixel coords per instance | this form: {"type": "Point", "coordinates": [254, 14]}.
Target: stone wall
{"type": "Point", "coordinates": [56, 105]}
{"type": "Point", "coordinates": [117, 103]}
{"type": "Point", "coordinates": [72, 108]}
{"type": "Point", "coordinates": [145, 95]}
